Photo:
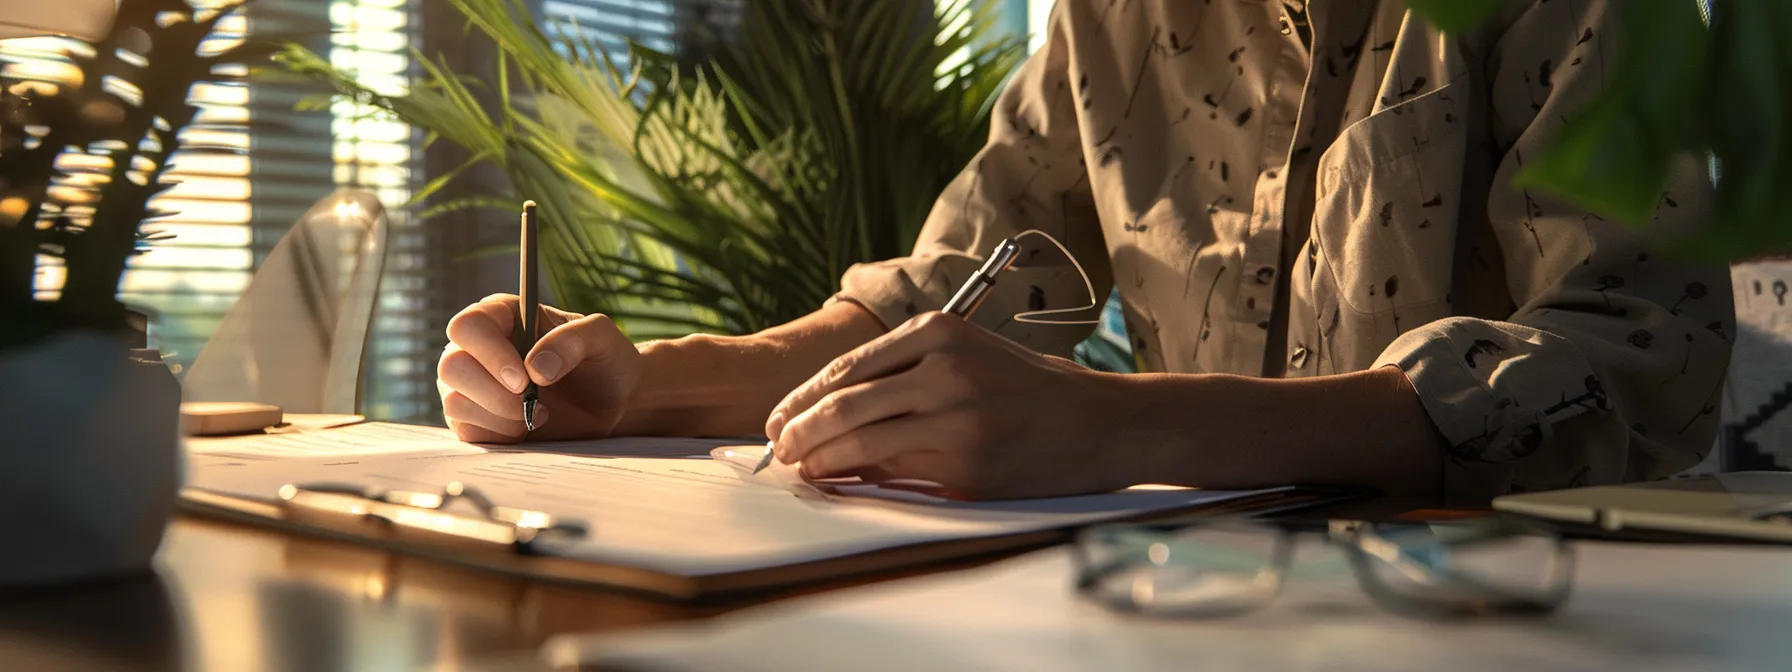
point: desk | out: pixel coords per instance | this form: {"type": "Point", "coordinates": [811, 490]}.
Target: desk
{"type": "Point", "coordinates": [240, 598]}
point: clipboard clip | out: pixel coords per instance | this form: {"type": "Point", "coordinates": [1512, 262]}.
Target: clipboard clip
{"type": "Point", "coordinates": [425, 512]}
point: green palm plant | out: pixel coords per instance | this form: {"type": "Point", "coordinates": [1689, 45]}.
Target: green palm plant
{"type": "Point", "coordinates": [729, 197]}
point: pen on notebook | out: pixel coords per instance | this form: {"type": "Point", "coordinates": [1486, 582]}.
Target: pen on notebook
{"type": "Point", "coordinates": [965, 302]}
{"type": "Point", "coordinates": [529, 310]}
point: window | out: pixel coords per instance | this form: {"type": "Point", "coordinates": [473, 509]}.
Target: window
{"type": "Point", "coordinates": [372, 39]}
{"type": "Point", "coordinates": [661, 25]}
{"type": "Point", "coordinates": [233, 208]}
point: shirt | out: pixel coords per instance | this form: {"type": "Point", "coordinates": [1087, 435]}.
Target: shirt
{"type": "Point", "coordinates": [1276, 206]}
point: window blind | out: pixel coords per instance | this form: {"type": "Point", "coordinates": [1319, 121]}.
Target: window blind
{"type": "Point", "coordinates": [233, 208]}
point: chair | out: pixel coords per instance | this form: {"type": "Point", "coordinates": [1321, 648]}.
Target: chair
{"type": "Point", "coordinates": [297, 336]}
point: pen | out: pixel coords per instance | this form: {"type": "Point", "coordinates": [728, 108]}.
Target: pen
{"type": "Point", "coordinates": [965, 302]}
{"type": "Point", "coordinates": [976, 289]}
{"type": "Point", "coordinates": [528, 329]}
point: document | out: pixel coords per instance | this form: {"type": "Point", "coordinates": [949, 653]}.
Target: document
{"type": "Point", "coordinates": [371, 438]}
{"type": "Point", "coordinates": [657, 514]}
{"type": "Point", "coordinates": [385, 438]}
{"type": "Point", "coordinates": [685, 516]}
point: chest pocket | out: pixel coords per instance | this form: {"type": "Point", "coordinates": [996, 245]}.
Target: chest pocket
{"type": "Point", "coordinates": [1384, 225]}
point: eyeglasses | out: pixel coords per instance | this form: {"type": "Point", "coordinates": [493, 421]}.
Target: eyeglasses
{"type": "Point", "coordinates": [1231, 567]}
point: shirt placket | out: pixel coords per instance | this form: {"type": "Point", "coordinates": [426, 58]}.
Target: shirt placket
{"type": "Point", "coordinates": [1263, 245]}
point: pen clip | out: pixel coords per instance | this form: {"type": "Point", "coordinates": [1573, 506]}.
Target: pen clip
{"type": "Point", "coordinates": [423, 511]}
{"type": "Point", "coordinates": [975, 290]}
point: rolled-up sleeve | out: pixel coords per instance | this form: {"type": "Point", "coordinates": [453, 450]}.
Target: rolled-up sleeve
{"type": "Point", "coordinates": [1030, 175]}
{"type": "Point", "coordinates": [1611, 367]}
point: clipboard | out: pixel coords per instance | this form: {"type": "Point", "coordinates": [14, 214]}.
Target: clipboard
{"type": "Point", "coordinates": [505, 548]}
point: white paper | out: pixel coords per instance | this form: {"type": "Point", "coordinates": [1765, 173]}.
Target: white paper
{"type": "Point", "coordinates": [370, 438]}
{"type": "Point", "coordinates": [689, 516]}
{"type": "Point", "coordinates": [1634, 607]}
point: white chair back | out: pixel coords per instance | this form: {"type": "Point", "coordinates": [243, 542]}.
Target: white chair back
{"type": "Point", "coordinates": [297, 336]}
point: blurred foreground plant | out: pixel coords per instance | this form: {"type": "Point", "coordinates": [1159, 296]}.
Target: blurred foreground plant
{"type": "Point", "coordinates": [1716, 84]}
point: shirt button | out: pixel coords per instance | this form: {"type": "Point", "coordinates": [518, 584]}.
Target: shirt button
{"type": "Point", "coordinates": [1299, 358]}
{"type": "Point", "coordinates": [1265, 274]}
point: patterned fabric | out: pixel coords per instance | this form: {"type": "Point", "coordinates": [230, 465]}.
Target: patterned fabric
{"type": "Point", "coordinates": [1266, 208]}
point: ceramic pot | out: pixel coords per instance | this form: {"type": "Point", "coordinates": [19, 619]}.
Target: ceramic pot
{"type": "Point", "coordinates": [90, 458]}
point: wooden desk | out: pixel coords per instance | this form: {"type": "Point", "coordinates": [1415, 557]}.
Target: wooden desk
{"type": "Point", "coordinates": [240, 598]}
{"type": "Point", "coordinates": [232, 597]}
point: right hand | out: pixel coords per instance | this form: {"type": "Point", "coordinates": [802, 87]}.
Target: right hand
{"type": "Point", "coordinates": [586, 370]}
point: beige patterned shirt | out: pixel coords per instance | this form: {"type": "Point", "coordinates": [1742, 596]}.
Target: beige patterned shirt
{"type": "Point", "coordinates": [1282, 190]}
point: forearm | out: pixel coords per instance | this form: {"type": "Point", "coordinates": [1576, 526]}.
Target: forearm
{"type": "Point", "coordinates": [1361, 429]}
{"type": "Point", "coordinates": [705, 385]}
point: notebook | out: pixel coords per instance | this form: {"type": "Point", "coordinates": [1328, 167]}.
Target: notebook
{"type": "Point", "coordinates": [1743, 506]}
{"type": "Point", "coordinates": [658, 515]}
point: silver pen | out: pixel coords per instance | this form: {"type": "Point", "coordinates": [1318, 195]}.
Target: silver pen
{"type": "Point", "coordinates": [965, 302]}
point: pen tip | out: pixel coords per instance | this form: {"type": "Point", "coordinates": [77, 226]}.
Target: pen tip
{"type": "Point", "coordinates": [529, 416]}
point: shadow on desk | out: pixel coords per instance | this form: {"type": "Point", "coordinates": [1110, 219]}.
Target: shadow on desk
{"type": "Point", "coordinates": [124, 624]}
{"type": "Point", "coordinates": [240, 598]}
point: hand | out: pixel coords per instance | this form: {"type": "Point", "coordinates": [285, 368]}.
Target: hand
{"type": "Point", "coordinates": [943, 400]}
{"type": "Point", "coordinates": [586, 370]}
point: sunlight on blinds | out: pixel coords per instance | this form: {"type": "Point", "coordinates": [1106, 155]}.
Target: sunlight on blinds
{"type": "Point", "coordinates": [192, 279]}
{"type": "Point", "coordinates": [239, 189]}
{"type": "Point", "coordinates": [611, 24]}
{"type": "Point", "coordinates": [371, 39]}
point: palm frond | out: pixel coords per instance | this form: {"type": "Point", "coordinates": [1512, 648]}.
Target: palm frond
{"type": "Point", "coordinates": [730, 197]}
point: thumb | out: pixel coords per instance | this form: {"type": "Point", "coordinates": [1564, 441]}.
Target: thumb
{"type": "Point", "coordinates": [592, 340]}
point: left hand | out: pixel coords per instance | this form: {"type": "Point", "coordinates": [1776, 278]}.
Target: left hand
{"type": "Point", "coordinates": [943, 400]}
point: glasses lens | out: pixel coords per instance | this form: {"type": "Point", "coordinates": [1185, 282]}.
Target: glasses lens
{"type": "Point", "coordinates": [1196, 571]}
{"type": "Point", "coordinates": [1466, 570]}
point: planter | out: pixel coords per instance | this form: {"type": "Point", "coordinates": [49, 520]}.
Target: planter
{"type": "Point", "coordinates": [90, 459]}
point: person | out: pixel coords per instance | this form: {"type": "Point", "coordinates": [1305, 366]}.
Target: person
{"type": "Point", "coordinates": [1309, 213]}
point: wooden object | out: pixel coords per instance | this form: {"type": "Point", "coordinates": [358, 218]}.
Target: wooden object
{"type": "Point", "coordinates": [212, 418]}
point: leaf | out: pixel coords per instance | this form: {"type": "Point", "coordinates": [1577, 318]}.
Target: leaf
{"type": "Point", "coordinates": [677, 196]}
{"type": "Point", "coordinates": [467, 203]}
{"type": "Point", "coordinates": [1749, 88]}
{"type": "Point", "coordinates": [1613, 156]}
{"type": "Point", "coordinates": [1454, 16]}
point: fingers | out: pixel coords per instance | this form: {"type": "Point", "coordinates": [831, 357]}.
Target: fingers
{"type": "Point", "coordinates": [474, 424]}
{"type": "Point", "coordinates": [588, 340]}
{"type": "Point", "coordinates": [475, 434]}
{"type": "Point", "coordinates": [483, 331]}
{"type": "Point", "coordinates": [458, 372]}
{"type": "Point", "coordinates": [891, 353]}
{"type": "Point", "coordinates": [895, 448]}
{"type": "Point", "coordinates": [849, 409]}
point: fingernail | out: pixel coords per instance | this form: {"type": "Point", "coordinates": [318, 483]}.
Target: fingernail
{"type": "Point", "coordinates": [774, 426]}
{"type": "Point", "coordinates": [513, 379]}
{"type": "Point", "coordinates": [541, 415]}
{"type": "Point", "coordinates": [547, 364]}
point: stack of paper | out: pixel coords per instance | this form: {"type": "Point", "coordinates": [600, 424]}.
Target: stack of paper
{"type": "Point", "coordinates": [660, 506]}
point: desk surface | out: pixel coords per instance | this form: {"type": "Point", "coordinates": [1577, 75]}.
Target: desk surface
{"type": "Point", "coordinates": [232, 597]}
{"type": "Point", "coordinates": [235, 597]}
{"type": "Point", "coordinates": [239, 598]}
